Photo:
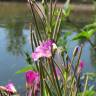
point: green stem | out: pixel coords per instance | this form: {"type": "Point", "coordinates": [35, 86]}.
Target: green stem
{"type": "Point", "coordinates": [53, 12]}
{"type": "Point", "coordinates": [57, 25]}
{"type": "Point", "coordinates": [36, 25]}
{"type": "Point", "coordinates": [41, 79]}
{"type": "Point", "coordinates": [62, 70]}
{"type": "Point", "coordinates": [31, 39]}
{"type": "Point", "coordinates": [42, 21]}
{"type": "Point", "coordinates": [86, 82]}
{"type": "Point", "coordinates": [48, 75]}
{"type": "Point", "coordinates": [48, 89]}
{"type": "Point", "coordinates": [78, 61]}
{"type": "Point", "coordinates": [51, 15]}
{"type": "Point", "coordinates": [54, 77]}
{"type": "Point", "coordinates": [76, 68]}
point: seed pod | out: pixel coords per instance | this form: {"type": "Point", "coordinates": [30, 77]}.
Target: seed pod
{"type": "Point", "coordinates": [75, 51]}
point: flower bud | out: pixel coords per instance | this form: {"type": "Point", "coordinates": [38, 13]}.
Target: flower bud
{"type": "Point", "coordinates": [54, 46]}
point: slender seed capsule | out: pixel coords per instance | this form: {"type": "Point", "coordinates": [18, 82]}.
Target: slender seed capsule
{"type": "Point", "coordinates": [75, 51]}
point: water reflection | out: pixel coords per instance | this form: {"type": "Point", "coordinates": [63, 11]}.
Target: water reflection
{"type": "Point", "coordinates": [93, 52]}
{"type": "Point", "coordinates": [15, 37]}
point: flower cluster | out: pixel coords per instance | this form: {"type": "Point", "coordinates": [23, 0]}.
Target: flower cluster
{"type": "Point", "coordinates": [33, 81]}
{"type": "Point", "coordinates": [44, 50]}
{"type": "Point", "coordinates": [33, 77]}
{"type": "Point", "coordinates": [9, 88]}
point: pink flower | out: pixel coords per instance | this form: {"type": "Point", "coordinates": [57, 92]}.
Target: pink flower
{"type": "Point", "coordinates": [44, 50]}
{"type": "Point", "coordinates": [9, 88]}
{"type": "Point", "coordinates": [81, 65]}
{"type": "Point", "coordinates": [33, 81]}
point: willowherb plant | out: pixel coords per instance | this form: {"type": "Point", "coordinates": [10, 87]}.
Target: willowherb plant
{"type": "Point", "coordinates": [52, 71]}
{"type": "Point", "coordinates": [58, 75]}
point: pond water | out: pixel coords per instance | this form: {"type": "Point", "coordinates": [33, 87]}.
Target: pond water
{"type": "Point", "coordinates": [15, 21]}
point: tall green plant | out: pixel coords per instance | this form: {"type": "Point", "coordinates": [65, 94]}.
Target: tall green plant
{"type": "Point", "coordinates": [58, 75]}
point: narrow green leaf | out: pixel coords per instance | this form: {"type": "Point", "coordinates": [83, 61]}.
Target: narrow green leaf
{"type": "Point", "coordinates": [85, 34]}
{"type": "Point", "coordinates": [81, 35]}
{"type": "Point", "coordinates": [90, 33]}
{"type": "Point", "coordinates": [48, 89]}
{"type": "Point", "coordinates": [88, 93]}
{"type": "Point", "coordinates": [25, 69]}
